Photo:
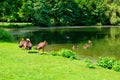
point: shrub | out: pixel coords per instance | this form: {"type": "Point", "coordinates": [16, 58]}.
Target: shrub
{"type": "Point", "coordinates": [67, 53]}
{"type": "Point", "coordinates": [54, 53]}
{"type": "Point", "coordinates": [106, 62]}
{"type": "Point", "coordinates": [116, 66]}
{"type": "Point", "coordinates": [5, 36]}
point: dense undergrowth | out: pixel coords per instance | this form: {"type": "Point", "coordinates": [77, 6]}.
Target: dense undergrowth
{"type": "Point", "coordinates": [5, 36]}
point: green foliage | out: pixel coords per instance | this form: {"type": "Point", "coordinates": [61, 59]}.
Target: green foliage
{"type": "Point", "coordinates": [64, 53]}
{"type": "Point", "coordinates": [106, 62]}
{"type": "Point", "coordinates": [116, 66]}
{"type": "Point", "coordinates": [9, 10]}
{"type": "Point", "coordinates": [89, 64]}
{"type": "Point", "coordinates": [93, 11]}
{"type": "Point", "coordinates": [54, 13]}
{"type": "Point", "coordinates": [54, 53]}
{"type": "Point", "coordinates": [67, 53]}
{"type": "Point", "coordinates": [113, 13]}
{"type": "Point", "coordinates": [5, 36]}
{"type": "Point", "coordinates": [61, 12]}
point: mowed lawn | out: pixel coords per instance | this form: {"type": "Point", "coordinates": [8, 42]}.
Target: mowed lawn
{"type": "Point", "coordinates": [18, 64]}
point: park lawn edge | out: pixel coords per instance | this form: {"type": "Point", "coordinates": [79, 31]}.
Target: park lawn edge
{"type": "Point", "coordinates": [18, 64]}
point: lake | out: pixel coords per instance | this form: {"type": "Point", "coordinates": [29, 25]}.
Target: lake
{"type": "Point", "coordinates": [73, 34]}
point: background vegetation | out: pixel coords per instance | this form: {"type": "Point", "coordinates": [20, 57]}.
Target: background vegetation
{"type": "Point", "coordinates": [61, 12]}
{"type": "Point", "coordinates": [5, 36]}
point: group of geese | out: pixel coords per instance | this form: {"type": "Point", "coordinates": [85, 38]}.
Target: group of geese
{"type": "Point", "coordinates": [26, 44]}
{"type": "Point", "coordinates": [85, 46]}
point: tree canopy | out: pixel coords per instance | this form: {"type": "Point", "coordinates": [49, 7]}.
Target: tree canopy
{"type": "Point", "coordinates": [61, 12]}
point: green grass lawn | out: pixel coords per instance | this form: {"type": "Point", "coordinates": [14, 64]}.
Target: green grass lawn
{"type": "Point", "coordinates": [14, 25]}
{"type": "Point", "coordinates": [18, 64]}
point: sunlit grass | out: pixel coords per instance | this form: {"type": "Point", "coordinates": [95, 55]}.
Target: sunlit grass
{"type": "Point", "coordinates": [18, 64]}
{"type": "Point", "coordinates": [14, 25]}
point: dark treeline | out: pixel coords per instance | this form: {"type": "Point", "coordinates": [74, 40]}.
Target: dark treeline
{"type": "Point", "coordinates": [61, 12]}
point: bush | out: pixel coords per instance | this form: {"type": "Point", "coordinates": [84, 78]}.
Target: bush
{"type": "Point", "coordinates": [116, 66]}
{"type": "Point", "coordinates": [106, 62]}
{"type": "Point", "coordinates": [54, 53]}
{"type": "Point", "coordinates": [5, 36]}
{"type": "Point", "coordinates": [67, 53]}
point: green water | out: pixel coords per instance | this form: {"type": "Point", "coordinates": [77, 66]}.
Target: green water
{"type": "Point", "coordinates": [60, 35]}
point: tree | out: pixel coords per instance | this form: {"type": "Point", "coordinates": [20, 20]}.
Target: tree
{"type": "Point", "coordinates": [113, 13]}
{"type": "Point", "coordinates": [9, 10]}
{"type": "Point", "coordinates": [61, 12]}
{"type": "Point", "coordinates": [52, 12]}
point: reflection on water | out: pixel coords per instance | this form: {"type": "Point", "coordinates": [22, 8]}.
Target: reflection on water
{"type": "Point", "coordinates": [59, 34]}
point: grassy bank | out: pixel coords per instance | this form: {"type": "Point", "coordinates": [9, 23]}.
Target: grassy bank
{"type": "Point", "coordinates": [18, 64]}
{"type": "Point", "coordinates": [14, 25]}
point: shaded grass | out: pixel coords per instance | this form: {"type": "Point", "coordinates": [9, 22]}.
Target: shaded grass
{"type": "Point", "coordinates": [17, 64]}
